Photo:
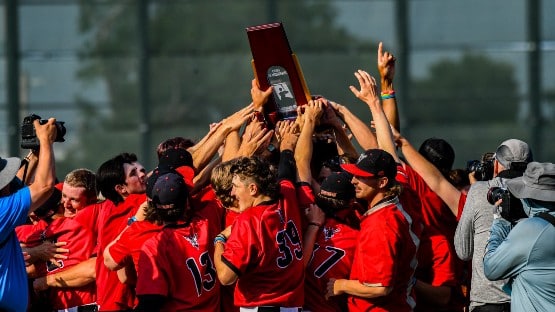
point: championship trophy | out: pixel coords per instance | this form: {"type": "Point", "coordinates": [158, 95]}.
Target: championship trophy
{"type": "Point", "coordinates": [274, 64]}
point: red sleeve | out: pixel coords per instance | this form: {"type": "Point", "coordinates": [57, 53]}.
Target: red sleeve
{"type": "Point", "coordinates": [378, 267]}
{"type": "Point", "coordinates": [402, 176]}
{"type": "Point", "coordinates": [30, 233]}
{"type": "Point", "coordinates": [243, 244]}
{"type": "Point", "coordinates": [208, 207]}
{"type": "Point", "coordinates": [443, 266]}
{"type": "Point", "coordinates": [151, 278]}
{"type": "Point", "coordinates": [120, 249]}
{"type": "Point", "coordinates": [462, 201]}
{"type": "Point", "coordinates": [305, 196]}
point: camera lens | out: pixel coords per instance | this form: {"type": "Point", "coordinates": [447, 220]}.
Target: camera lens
{"type": "Point", "coordinates": [495, 194]}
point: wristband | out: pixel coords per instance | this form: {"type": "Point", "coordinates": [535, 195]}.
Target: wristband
{"type": "Point", "coordinates": [131, 220]}
{"type": "Point", "coordinates": [390, 94]}
{"type": "Point", "coordinates": [315, 224]}
{"type": "Point", "coordinates": [220, 238]}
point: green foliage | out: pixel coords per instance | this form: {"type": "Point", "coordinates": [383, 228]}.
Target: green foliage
{"type": "Point", "coordinates": [199, 60]}
{"type": "Point", "coordinates": [474, 88]}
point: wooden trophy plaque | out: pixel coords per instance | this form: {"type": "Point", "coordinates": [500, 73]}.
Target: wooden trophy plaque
{"type": "Point", "coordinates": [274, 64]}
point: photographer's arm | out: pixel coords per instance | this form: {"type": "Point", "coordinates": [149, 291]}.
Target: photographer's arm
{"type": "Point", "coordinates": [28, 169]}
{"type": "Point", "coordinates": [45, 176]}
{"type": "Point", "coordinates": [506, 250]}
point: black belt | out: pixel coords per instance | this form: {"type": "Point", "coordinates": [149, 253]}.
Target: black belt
{"type": "Point", "coordinates": [88, 308]}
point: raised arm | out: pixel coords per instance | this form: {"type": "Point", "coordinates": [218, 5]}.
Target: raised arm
{"type": "Point", "coordinates": [288, 135]}
{"type": "Point", "coordinates": [303, 152]}
{"type": "Point", "coordinates": [255, 139]}
{"type": "Point", "coordinates": [431, 175]}
{"type": "Point", "coordinates": [45, 175]}
{"type": "Point", "coordinates": [368, 93]}
{"type": "Point", "coordinates": [386, 68]}
{"type": "Point", "coordinates": [204, 153]}
{"type": "Point", "coordinates": [344, 145]}
{"type": "Point", "coordinates": [362, 133]}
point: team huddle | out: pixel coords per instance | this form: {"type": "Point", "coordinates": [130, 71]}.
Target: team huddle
{"type": "Point", "coordinates": [253, 217]}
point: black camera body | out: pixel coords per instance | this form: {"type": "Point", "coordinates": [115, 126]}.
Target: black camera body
{"type": "Point", "coordinates": [29, 138]}
{"type": "Point", "coordinates": [511, 207]}
{"type": "Point", "coordinates": [483, 168]}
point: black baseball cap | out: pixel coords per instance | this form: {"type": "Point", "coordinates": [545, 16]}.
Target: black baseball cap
{"type": "Point", "coordinates": [169, 191]}
{"type": "Point", "coordinates": [373, 163]}
{"type": "Point", "coordinates": [338, 186]}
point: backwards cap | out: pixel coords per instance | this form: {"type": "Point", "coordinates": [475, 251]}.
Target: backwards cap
{"type": "Point", "coordinates": [513, 150]}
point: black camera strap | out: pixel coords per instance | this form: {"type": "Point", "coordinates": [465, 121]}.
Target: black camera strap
{"type": "Point", "coordinates": [25, 163]}
{"type": "Point", "coordinates": [546, 216]}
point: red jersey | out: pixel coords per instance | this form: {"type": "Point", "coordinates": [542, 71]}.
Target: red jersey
{"type": "Point", "coordinates": [462, 201]}
{"type": "Point", "coordinates": [332, 257]}
{"type": "Point", "coordinates": [206, 206]}
{"type": "Point", "coordinates": [130, 242]}
{"type": "Point", "coordinates": [88, 217]}
{"type": "Point", "coordinates": [385, 255]}
{"type": "Point", "coordinates": [29, 234]}
{"type": "Point", "coordinates": [111, 293]}
{"type": "Point", "coordinates": [436, 266]}
{"type": "Point", "coordinates": [227, 291]}
{"type": "Point", "coordinates": [435, 212]}
{"type": "Point", "coordinates": [80, 242]}
{"type": "Point", "coordinates": [265, 250]}
{"type": "Point", "coordinates": [178, 264]}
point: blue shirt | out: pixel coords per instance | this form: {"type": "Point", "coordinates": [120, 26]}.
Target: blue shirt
{"type": "Point", "coordinates": [525, 254]}
{"type": "Point", "coordinates": [13, 277]}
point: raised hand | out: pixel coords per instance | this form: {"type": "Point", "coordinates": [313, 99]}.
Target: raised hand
{"type": "Point", "coordinates": [237, 119]}
{"type": "Point", "coordinates": [386, 64]}
{"type": "Point", "coordinates": [287, 134]}
{"type": "Point", "coordinates": [255, 138]}
{"type": "Point", "coordinates": [314, 110]}
{"type": "Point", "coordinates": [368, 92]}
{"type": "Point", "coordinates": [259, 97]}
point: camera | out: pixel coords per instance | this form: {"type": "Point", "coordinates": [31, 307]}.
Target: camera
{"type": "Point", "coordinates": [29, 138]}
{"type": "Point", "coordinates": [511, 207]}
{"type": "Point", "coordinates": [496, 193]}
{"type": "Point", "coordinates": [483, 168]}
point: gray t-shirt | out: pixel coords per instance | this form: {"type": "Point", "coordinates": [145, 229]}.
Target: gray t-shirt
{"type": "Point", "coordinates": [471, 237]}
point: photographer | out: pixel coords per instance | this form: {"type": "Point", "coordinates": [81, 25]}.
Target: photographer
{"type": "Point", "coordinates": [16, 202]}
{"type": "Point", "coordinates": [524, 253]}
{"type": "Point", "coordinates": [474, 225]}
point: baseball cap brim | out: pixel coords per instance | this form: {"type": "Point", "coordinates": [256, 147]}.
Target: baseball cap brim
{"type": "Point", "coordinates": [9, 171]}
{"type": "Point", "coordinates": [356, 170]}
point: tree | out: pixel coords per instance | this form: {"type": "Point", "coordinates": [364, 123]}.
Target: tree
{"type": "Point", "coordinates": [200, 64]}
{"type": "Point", "coordinates": [473, 89]}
